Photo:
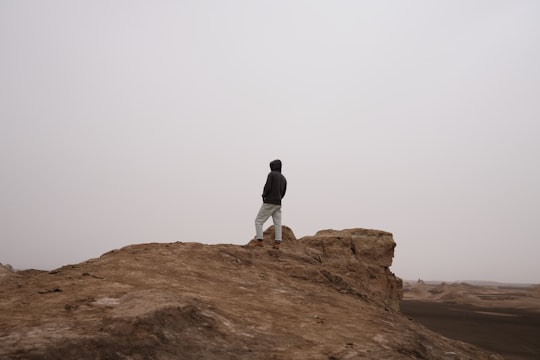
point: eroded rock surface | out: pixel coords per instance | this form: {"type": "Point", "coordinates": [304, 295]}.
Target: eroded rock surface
{"type": "Point", "coordinates": [327, 296]}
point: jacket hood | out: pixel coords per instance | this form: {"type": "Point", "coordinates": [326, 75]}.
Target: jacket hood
{"type": "Point", "coordinates": [275, 165]}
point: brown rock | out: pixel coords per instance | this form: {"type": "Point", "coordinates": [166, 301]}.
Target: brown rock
{"type": "Point", "coordinates": [5, 271]}
{"type": "Point", "coordinates": [328, 296]}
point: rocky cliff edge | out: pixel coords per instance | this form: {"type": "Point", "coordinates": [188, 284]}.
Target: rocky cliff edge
{"type": "Point", "coordinates": [327, 296]}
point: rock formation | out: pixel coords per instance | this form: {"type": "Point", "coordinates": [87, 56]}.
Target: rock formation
{"type": "Point", "coordinates": [327, 296]}
{"type": "Point", "coordinates": [5, 271]}
{"type": "Point", "coordinates": [496, 296]}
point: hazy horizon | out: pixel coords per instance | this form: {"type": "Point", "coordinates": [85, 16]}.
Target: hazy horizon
{"type": "Point", "coordinates": [127, 122]}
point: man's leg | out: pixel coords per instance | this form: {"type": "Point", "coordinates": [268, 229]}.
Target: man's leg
{"type": "Point", "coordinates": [276, 217]}
{"type": "Point", "coordinates": [264, 213]}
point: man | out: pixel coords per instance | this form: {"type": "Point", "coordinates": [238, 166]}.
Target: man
{"type": "Point", "coordinates": [274, 191]}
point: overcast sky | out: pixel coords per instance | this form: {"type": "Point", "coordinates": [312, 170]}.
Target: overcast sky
{"type": "Point", "coordinates": [129, 121]}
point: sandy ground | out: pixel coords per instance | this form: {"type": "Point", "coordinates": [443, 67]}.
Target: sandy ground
{"type": "Point", "coordinates": [502, 319]}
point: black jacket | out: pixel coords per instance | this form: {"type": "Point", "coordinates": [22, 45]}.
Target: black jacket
{"type": "Point", "coordinates": [276, 185]}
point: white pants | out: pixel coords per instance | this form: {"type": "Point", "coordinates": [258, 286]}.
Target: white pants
{"type": "Point", "coordinates": [265, 212]}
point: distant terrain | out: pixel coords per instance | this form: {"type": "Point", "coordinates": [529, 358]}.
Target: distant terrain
{"type": "Point", "coordinates": [503, 318]}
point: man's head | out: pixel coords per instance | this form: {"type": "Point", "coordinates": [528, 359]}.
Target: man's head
{"type": "Point", "coordinates": [275, 165]}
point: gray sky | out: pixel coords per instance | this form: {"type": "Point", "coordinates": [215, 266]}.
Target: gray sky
{"type": "Point", "coordinates": [129, 121]}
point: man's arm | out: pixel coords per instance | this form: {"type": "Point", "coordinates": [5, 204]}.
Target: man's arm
{"type": "Point", "coordinates": [267, 186]}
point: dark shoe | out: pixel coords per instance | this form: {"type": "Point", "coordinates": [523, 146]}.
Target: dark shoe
{"type": "Point", "coordinates": [276, 245]}
{"type": "Point", "coordinates": [259, 242]}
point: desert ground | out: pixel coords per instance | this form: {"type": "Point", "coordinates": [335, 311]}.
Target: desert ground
{"type": "Point", "coordinates": [330, 296]}
{"type": "Point", "coordinates": [503, 318]}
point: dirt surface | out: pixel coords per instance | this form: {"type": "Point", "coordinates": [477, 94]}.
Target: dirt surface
{"type": "Point", "coordinates": [500, 318]}
{"type": "Point", "coordinates": [327, 296]}
{"type": "Point", "coordinates": [513, 333]}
